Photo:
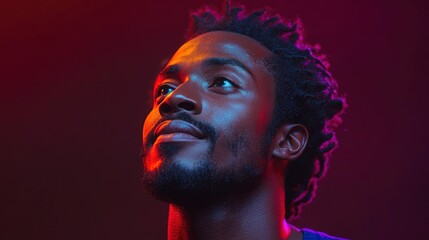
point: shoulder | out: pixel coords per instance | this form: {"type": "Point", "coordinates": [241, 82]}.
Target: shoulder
{"type": "Point", "coordinates": [308, 234]}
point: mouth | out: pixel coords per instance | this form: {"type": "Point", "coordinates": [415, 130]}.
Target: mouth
{"type": "Point", "coordinates": [177, 131]}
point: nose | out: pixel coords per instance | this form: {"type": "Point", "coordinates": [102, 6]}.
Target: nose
{"type": "Point", "coordinates": [184, 98]}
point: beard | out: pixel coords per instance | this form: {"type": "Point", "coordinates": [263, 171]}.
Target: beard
{"type": "Point", "coordinates": [206, 182]}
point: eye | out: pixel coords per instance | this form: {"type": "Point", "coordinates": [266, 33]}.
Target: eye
{"type": "Point", "coordinates": [164, 90]}
{"type": "Point", "coordinates": [223, 84]}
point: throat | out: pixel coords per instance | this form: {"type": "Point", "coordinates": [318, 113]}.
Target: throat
{"type": "Point", "coordinates": [259, 215]}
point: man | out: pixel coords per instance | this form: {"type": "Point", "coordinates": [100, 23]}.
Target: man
{"type": "Point", "coordinates": [241, 128]}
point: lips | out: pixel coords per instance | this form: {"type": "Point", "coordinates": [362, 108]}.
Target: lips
{"type": "Point", "coordinates": [178, 129]}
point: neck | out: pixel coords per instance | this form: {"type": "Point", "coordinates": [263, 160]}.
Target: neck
{"type": "Point", "coordinates": [259, 216]}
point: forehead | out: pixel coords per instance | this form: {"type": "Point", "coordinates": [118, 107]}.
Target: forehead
{"type": "Point", "coordinates": [246, 50]}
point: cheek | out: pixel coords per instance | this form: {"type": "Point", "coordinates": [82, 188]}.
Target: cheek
{"type": "Point", "coordinates": [241, 117]}
{"type": "Point", "coordinates": [149, 122]}
{"type": "Point", "coordinates": [264, 107]}
{"type": "Point", "coordinates": [264, 118]}
{"type": "Point", "coordinates": [230, 116]}
{"type": "Point", "coordinates": [240, 128]}
{"type": "Point", "coordinates": [253, 115]}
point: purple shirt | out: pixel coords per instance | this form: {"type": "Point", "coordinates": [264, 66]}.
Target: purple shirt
{"type": "Point", "coordinates": [308, 234]}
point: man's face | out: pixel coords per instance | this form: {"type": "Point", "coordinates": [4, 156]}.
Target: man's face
{"type": "Point", "coordinates": [213, 103]}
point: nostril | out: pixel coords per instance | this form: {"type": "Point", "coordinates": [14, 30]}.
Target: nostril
{"type": "Point", "coordinates": [165, 108]}
{"type": "Point", "coordinates": [188, 106]}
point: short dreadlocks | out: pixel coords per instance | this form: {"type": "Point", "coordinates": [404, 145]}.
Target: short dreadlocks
{"type": "Point", "coordinates": [305, 93]}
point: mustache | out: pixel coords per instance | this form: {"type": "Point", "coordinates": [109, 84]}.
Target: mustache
{"type": "Point", "coordinates": [207, 129]}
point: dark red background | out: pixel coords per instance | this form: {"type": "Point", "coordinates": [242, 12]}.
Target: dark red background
{"type": "Point", "coordinates": [75, 78]}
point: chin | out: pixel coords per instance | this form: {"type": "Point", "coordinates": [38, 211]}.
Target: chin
{"type": "Point", "coordinates": [201, 184]}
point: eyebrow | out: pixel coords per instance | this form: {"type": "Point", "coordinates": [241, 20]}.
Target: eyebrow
{"type": "Point", "coordinates": [175, 68]}
{"type": "Point", "coordinates": [226, 61]}
{"type": "Point", "coordinates": [169, 70]}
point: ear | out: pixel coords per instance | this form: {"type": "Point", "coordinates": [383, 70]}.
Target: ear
{"type": "Point", "coordinates": [290, 141]}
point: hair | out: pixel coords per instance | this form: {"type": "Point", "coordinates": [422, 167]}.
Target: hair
{"type": "Point", "coordinates": [306, 93]}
